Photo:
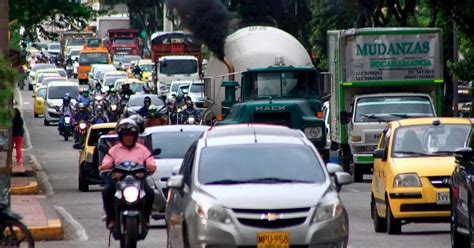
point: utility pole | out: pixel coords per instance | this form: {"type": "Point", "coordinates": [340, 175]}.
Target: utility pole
{"type": "Point", "coordinates": [455, 80]}
{"type": "Point", "coordinates": [4, 29]}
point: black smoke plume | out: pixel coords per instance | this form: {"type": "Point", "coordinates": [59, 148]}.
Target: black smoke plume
{"type": "Point", "coordinates": [208, 20]}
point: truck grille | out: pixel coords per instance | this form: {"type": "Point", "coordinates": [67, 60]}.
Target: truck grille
{"type": "Point", "coordinates": [371, 138]}
{"type": "Point", "coordinates": [365, 149]}
{"type": "Point", "coordinates": [440, 182]}
{"type": "Point", "coordinates": [281, 118]}
{"type": "Point", "coordinates": [272, 218]}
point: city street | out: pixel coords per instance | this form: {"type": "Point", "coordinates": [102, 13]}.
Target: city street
{"type": "Point", "coordinates": [59, 160]}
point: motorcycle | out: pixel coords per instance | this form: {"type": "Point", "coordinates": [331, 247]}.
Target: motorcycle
{"type": "Point", "coordinates": [13, 233]}
{"type": "Point", "coordinates": [69, 70]}
{"type": "Point", "coordinates": [130, 203]}
{"type": "Point", "coordinates": [113, 112]}
{"type": "Point", "coordinates": [81, 131]}
{"type": "Point", "coordinates": [65, 127]}
{"type": "Point", "coordinates": [99, 102]}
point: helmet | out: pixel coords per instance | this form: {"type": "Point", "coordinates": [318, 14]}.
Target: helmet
{"type": "Point", "coordinates": [127, 126]}
{"type": "Point", "coordinates": [68, 96]}
{"type": "Point", "coordinates": [146, 89]}
{"type": "Point", "coordinates": [152, 110]}
{"type": "Point", "coordinates": [140, 122]}
{"type": "Point", "coordinates": [113, 92]}
{"type": "Point", "coordinates": [98, 86]}
{"type": "Point", "coordinates": [85, 92]}
{"type": "Point", "coordinates": [82, 107]}
{"type": "Point", "coordinates": [99, 111]}
{"type": "Point", "coordinates": [147, 99]}
{"type": "Point", "coordinates": [189, 103]}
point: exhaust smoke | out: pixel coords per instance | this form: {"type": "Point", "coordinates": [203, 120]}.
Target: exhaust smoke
{"type": "Point", "coordinates": [208, 20]}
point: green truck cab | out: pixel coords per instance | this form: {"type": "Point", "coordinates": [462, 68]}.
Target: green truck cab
{"type": "Point", "coordinates": [280, 95]}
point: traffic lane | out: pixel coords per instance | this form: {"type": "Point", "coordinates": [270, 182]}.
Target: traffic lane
{"type": "Point", "coordinates": [356, 199]}
{"type": "Point", "coordinates": [60, 161]}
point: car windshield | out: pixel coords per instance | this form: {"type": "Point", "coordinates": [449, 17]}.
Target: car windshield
{"type": "Point", "coordinates": [41, 92]}
{"type": "Point", "coordinates": [147, 67]}
{"type": "Point", "coordinates": [389, 108]}
{"type": "Point", "coordinates": [136, 87]}
{"type": "Point", "coordinates": [197, 88]}
{"type": "Point", "coordinates": [175, 86]}
{"type": "Point", "coordinates": [110, 81]}
{"type": "Point", "coordinates": [429, 140]}
{"type": "Point", "coordinates": [128, 59]}
{"type": "Point", "coordinates": [173, 145]}
{"type": "Point", "coordinates": [54, 47]}
{"type": "Point", "coordinates": [76, 42]}
{"type": "Point", "coordinates": [63, 73]}
{"type": "Point", "coordinates": [178, 66]}
{"type": "Point", "coordinates": [259, 163]}
{"type": "Point", "coordinates": [123, 41]}
{"type": "Point", "coordinates": [42, 66]}
{"type": "Point", "coordinates": [95, 134]}
{"type": "Point", "coordinates": [75, 52]}
{"type": "Point", "coordinates": [137, 100]}
{"type": "Point", "coordinates": [57, 92]}
{"type": "Point", "coordinates": [93, 58]}
{"type": "Point", "coordinates": [281, 84]}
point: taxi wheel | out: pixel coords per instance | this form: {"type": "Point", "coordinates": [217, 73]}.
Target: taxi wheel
{"type": "Point", "coordinates": [458, 240]}
{"type": "Point", "coordinates": [379, 223]}
{"type": "Point", "coordinates": [357, 174]}
{"type": "Point", "coordinates": [45, 122]}
{"type": "Point", "coordinates": [83, 186]}
{"type": "Point", "coordinates": [36, 115]}
{"type": "Point", "coordinates": [394, 226]}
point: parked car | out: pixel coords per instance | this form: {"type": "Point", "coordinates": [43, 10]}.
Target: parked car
{"type": "Point", "coordinates": [173, 141]}
{"type": "Point", "coordinates": [461, 195]}
{"type": "Point", "coordinates": [412, 165]}
{"type": "Point", "coordinates": [274, 192]}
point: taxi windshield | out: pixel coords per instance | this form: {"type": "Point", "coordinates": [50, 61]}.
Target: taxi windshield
{"type": "Point", "coordinates": [429, 140]}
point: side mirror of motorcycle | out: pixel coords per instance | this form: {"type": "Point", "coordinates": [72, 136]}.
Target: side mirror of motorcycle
{"type": "Point", "coordinates": [156, 152]}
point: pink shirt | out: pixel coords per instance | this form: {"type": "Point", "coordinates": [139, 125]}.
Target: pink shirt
{"type": "Point", "coordinates": [119, 153]}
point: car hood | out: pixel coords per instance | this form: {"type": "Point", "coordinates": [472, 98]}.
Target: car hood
{"type": "Point", "coordinates": [196, 97]}
{"type": "Point", "coordinates": [164, 168]}
{"type": "Point", "coordinates": [425, 166]}
{"type": "Point", "coordinates": [56, 102]}
{"type": "Point", "coordinates": [261, 196]}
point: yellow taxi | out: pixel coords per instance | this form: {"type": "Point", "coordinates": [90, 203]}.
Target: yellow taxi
{"type": "Point", "coordinates": [38, 102]}
{"type": "Point", "coordinates": [88, 156]}
{"type": "Point", "coordinates": [146, 65]}
{"type": "Point", "coordinates": [413, 163]}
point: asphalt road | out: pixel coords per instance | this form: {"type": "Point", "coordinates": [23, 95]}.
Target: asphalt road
{"type": "Point", "coordinates": [60, 161]}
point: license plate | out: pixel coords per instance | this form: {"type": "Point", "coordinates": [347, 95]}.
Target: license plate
{"type": "Point", "coordinates": [273, 240]}
{"type": "Point", "coordinates": [443, 198]}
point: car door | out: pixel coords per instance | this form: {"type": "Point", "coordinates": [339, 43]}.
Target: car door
{"type": "Point", "coordinates": [178, 200]}
{"type": "Point", "coordinates": [378, 179]}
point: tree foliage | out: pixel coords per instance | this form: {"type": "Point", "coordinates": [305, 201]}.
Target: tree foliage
{"type": "Point", "coordinates": [35, 15]}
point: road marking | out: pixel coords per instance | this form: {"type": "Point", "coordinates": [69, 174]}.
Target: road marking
{"type": "Point", "coordinates": [27, 132]}
{"type": "Point", "coordinates": [26, 103]}
{"type": "Point", "coordinates": [78, 231]}
{"type": "Point", "coordinates": [351, 190]}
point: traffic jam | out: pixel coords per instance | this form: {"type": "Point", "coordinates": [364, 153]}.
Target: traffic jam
{"type": "Point", "coordinates": [253, 146]}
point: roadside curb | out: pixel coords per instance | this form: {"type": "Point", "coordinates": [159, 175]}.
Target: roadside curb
{"type": "Point", "coordinates": [41, 176]}
{"type": "Point", "coordinates": [31, 189]}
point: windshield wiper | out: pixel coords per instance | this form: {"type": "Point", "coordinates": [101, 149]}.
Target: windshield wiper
{"type": "Point", "coordinates": [401, 115]}
{"type": "Point", "coordinates": [443, 152]}
{"type": "Point", "coordinates": [412, 153]}
{"type": "Point", "coordinates": [275, 180]}
{"type": "Point", "coordinates": [225, 181]}
{"type": "Point", "coordinates": [373, 116]}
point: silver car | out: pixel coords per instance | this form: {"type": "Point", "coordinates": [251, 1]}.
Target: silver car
{"type": "Point", "coordinates": [173, 141]}
{"type": "Point", "coordinates": [256, 185]}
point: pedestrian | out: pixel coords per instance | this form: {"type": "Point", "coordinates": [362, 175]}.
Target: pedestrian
{"type": "Point", "coordinates": [18, 132]}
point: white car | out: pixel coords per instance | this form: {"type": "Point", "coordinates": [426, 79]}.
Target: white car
{"type": "Point", "coordinates": [34, 69]}
{"type": "Point", "coordinates": [54, 99]}
{"type": "Point", "coordinates": [54, 49]}
{"type": "Point", "coordinates": [196, 92]}
{"type": "Point", "coordinates": [175, 87]}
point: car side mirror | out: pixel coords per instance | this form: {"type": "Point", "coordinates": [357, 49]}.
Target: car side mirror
{"type": "Point", "coordinates": [343, 178]}
{"type": "Point", "coordinates": [33, 95]}
{"type": "Point", "coordinates": [345, 117]}
{"type": "Point", "coordinates": [176, 182]}
{"type": "Point", "coordinates": [175, 171]}
{"type": "Point", "coordinates": [380, 153]}
{"type": "Point", "coordinates": [156, 152]}
{"type": "Point", "coordinates": [464, 153]}
{"type": "Point", "coordinates": [333, 168]}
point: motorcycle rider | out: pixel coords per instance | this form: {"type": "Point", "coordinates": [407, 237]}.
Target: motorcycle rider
{"type": "Point", "coordinates": [113, 98]}
{"type": "Point", "coordinates": [84, 97]}
{"type": "Point", "coordinates": [65, 109]}
{"type": "Point", "coordinates": [140, 122]}
{"type": "Point", "coordinates": [171, 110]}
{"type": "Point", "coordinates": [127, 150]}
{"type": "Point", "coordinates": [98, 90]}
{"type": "Point", "coordinates": [154, 118]}
{"type": "Point", "coordinates": [82, 114]}
{"type": "Point", "coordinates": [99, 116]}
{"type": "Point", "coordinates": [143, 111]}
{"type": "Point", "coordinates": [136, 71]}
{"type": "Point", "coordinates": [191, 111]}
{"type": "Point", "coordinates": [126, 92]}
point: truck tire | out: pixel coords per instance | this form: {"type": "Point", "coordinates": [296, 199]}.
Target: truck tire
{"type": "Point", "coordinates": [345, 157]}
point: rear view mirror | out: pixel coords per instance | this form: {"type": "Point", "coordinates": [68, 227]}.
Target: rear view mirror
{"type": "Point", "coordinates": [464, 153]}
{"type": "Point", "coordinates": [380, 153]}
{"type": "Point", "coordinates": [175, 182]}
{"type": "Point", "coordinates": [333, 168]}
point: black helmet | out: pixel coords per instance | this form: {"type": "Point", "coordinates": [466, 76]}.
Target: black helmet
{"type": "Point", "coordinates": [98, 86]}
{"type": "Point", "coordinates": [99, 111]}
{"type": "Point", "coordinates": [189, 103]}
{"type": "Point", "coordinates": [147, 99]}
{"type": "Point", "coordinates": [139, 121]}
{"type": "Point", "coordinates": [127, 126]}
{"type": "Point", "coordinates": [82, 106]}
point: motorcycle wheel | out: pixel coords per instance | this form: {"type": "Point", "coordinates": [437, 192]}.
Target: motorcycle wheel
{"type": "Point", "coordinates": [132, 234]}
{"type": "Point", "coordinates": [66, 137]}
{"type": "Point", "coordinates": [15, 234]}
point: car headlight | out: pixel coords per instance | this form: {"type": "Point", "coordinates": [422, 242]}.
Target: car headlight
{"type": "Point", "coordinates": [130, 194]}
{"type": "Point", "coordinates": [313, 132]}
{"type": "Point", "coordinates": [328, 210]}
{"type": "Point", "coordinates": [212, 213]}
{"type": "Point", "coordinates": [406, 180]}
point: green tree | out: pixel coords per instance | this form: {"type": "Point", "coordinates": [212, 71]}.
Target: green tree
{"type": "Point", "coordinates": [35, 15]}
{"type": "Point", "coordinates": [144, 14]}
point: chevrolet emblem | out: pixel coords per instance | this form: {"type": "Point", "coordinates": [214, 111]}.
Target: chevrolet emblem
{"type": "Point", "coordinates": [270, 216]}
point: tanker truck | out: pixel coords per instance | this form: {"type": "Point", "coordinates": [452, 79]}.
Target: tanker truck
{"type": "Point", "coordinates": [267, 77]}
{"type": "Point", "coordinates": [380, 75]}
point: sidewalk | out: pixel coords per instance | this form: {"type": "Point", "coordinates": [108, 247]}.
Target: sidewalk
{"type": "Point", "coordinates": [37, 212]}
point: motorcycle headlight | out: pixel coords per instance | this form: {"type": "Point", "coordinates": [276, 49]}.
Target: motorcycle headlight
{"type": "Point", "coordinates": [130, 194]}
{"type": "Point", "coordinates": [328, 210]}
{"type": "Point", "coordinates": [212, 213]}
{"type": "Point", "coordinates": [406, 180]}
{"type": "Point", "coordinates": [82, 126]}
{"type": "Point", "coordinates": [67, 120]}
{"type": "Point", "coordinates": [313, 132]}
{"type": "Point", "coordinates": [113, 107]}
{"type": "Point", "coordinates": [191, 120]}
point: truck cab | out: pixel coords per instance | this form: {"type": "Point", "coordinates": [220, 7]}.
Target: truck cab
{"type": "Point", "coordinates": [91, 54]}
{"type": "Point", "coordinates": [280, 95]}
{"type": "Point", "coordinates": [176, 68]}
{"type": "Point", "coordinates": [370, 114]}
